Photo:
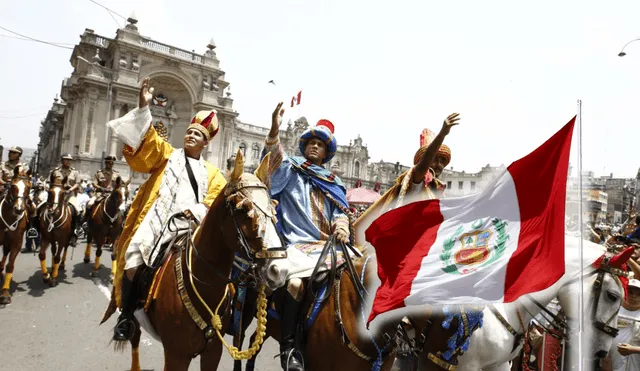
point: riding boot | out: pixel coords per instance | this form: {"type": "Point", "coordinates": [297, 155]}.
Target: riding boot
{"type": "Point", "coordinates": [290, 358]}
{"type": "Point", "coordinates": [74, 228]}
{"type": "Point", "coordinates": [124, 329]}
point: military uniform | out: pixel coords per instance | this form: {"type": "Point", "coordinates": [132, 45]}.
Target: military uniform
{"type": "Point", "coordinates": [7, 168]}
{"type": "Point", "coordinates": [105, 178]}
{"type": "Point", "coordinates": [72, 178]}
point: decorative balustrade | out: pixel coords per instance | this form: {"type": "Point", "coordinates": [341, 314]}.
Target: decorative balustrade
{"type": "Point", "coordinates": [96, 40]}
{"type": "Point", "coordinates": [168, 49]}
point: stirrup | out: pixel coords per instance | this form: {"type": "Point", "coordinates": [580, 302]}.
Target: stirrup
{"type": "Point", "coordinates": [117, 332]}
{"type": "Point", "coordinates": [288, 356]}
{"type": "Point", "coordinates": [32, 233]}
{"type": "Point", "coordinates": [78, 231]}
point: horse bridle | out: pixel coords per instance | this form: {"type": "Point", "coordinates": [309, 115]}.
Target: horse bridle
{"type": "Point", "coordinates": [9, 198]}
{"type": "Point", "coordinates": [104, 207]}
{"type": "Point", "coordinates": [562, 327]}
{"type": "Point", "coordinates": [246, 263]}
{"type": "Point", "coordinates": [8, 194]}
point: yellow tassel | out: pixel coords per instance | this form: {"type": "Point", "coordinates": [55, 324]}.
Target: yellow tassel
{"type": "Point", "coordinates": [261, 329]}
{"type": "Point", "coordinates": [114, 267]}
{"type": "Point", "coordinates": [43, 266]}
{"type": "Point", "coordinates": [55, 270]}
{"type": "Point", "coordinates": [7, 281]}
{"type": "Point", "coordinates": [96, 265]}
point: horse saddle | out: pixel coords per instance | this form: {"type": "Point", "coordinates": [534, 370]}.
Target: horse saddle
{"type": "Point", "coordinates": [149, 278]}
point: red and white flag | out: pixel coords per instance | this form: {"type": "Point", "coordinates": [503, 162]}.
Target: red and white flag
{"type": "Point", "coordinates": [295, 100]}
{"type": "Point", "coordinates": [495, 246]}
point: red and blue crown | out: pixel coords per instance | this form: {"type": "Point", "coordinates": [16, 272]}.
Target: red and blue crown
{"type": "Point", "coordinates": [323, 131]}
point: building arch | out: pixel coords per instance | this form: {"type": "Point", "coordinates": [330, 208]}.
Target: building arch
{"type": "Point", "coordinates": [158, 70]}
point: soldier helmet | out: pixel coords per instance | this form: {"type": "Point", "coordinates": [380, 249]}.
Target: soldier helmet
{"type": "Point", "coordinates": [16, 149]}
{"type": "Point", "coordinates": [67, 156]}
{"type": "Point", "coordinates": [110, 158]}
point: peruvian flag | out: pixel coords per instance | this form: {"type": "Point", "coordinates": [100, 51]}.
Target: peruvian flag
{"type": "Point", "coordinates": [495, 246]}
{"type": "Point", "coordinates": [295, 100]}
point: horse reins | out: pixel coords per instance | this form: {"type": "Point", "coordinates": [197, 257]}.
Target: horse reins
{"type": "Point", "coordinates": [12, 227]}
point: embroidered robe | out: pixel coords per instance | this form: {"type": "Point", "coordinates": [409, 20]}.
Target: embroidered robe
{"type": "Point", "coordinates": [166, 192]}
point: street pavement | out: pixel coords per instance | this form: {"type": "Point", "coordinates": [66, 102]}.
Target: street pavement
{"type": "Point", "coordinates": [56, 328]}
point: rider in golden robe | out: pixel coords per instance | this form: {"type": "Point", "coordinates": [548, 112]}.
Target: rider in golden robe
{"type": "Point", "coordinates": [416, 184]}
{"type": "Point", "coordinates": [180, 181]}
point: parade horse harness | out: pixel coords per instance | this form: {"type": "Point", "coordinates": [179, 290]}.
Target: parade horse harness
{"type": "Point", "coordinates": [246, 259]}
{"type": "Point", "coordinates": [321, 283]}
{"type": "Point", "coordinates": [558, 328]}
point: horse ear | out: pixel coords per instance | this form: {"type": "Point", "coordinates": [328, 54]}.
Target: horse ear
{"type": "Point", "coordinates": [118, 181]}
{"type": "Point", "coordinates": [29, 172]}
{"type": "Point", "coordinates": [127, 183]}
{"type": "Point", "coordinates": [16, 170]}
{"type": "Point", "coordinates": [262, 172]}
{"type": "Point", "coordinates": [64, 180]}
{"type": "Point", "coordinates": [622, 257]}
{"type": "Point", "coordinates": [238, 167]}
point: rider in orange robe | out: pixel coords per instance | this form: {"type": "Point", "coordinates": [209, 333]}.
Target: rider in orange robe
{"type": "Point", "coordinates": [418, 183]}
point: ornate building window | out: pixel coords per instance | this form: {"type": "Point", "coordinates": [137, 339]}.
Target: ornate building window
{"type": "Point", "coordinates": [356, 169]}
{"type": "Point", "coordinates": [243, 149]}
{"type": "Point", "coordinates": [255, 151]}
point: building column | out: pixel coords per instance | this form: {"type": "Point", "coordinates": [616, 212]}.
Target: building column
{"type": "Point", "coordinates": [114, 139]}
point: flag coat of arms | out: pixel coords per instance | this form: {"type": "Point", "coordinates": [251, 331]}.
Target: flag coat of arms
{"type": "Point", "coordinates": [494, 246]}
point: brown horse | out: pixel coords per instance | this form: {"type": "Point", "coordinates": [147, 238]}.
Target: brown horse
{"type": "Point", "coordinates": [335, 341]}
{"type": "Point", "coordinates": [55, 229]}
{"type": "Point", "coordinates": [14, 220]}
{"type": "Point", "coordinates": [190, 299]}
{"type": "Point", "coordinates": [106, 221]}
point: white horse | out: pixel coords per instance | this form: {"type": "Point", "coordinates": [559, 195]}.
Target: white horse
{"type": "Point", "coordinates": [493, 346]}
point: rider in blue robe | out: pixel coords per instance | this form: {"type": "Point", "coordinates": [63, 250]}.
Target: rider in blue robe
{"type": "Point", "coordinates": [312, 207]}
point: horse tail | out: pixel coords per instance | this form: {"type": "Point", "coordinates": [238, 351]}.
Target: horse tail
{"type": "Point", "coordinates": [111, 308]}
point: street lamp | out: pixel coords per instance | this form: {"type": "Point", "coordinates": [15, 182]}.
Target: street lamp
{"type": "Point", "coordinates": [99, 67]}
{"type": "Point", "coordinates": [622, 53]}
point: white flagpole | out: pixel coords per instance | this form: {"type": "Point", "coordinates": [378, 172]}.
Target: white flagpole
{"type": "Point", "coordinates": [580, 242]}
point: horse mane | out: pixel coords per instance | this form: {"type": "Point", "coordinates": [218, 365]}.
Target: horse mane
{"type": "Point", "coordinates": [591, 252]}
{"type": "Point", "coordinates": [56, 178]}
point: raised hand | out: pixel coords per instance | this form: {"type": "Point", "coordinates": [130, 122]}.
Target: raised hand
{"type": "Point", "coordinates": [276, 116]}
{"type": "Point", "coordinates": [146, 93]}
{"type": "Point", "coordinates": [450, 121]}
{"type": "Point", "coordinates": [276, 120]}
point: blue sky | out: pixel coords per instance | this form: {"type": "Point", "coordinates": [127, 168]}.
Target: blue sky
{"type": "Point", "coordinates": [383, 70]}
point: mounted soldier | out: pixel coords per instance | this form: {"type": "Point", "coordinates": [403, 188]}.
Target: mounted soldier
{"type": "Point", "coordinates": [181, 181]}
{"type": "Point", "coordinates": [71, 190]}
{"type": "Point", "coordinates": [103, 183]}
{"type": "Point", "coordinates": [6, 169]}
{"type": "Point", "coordinates": [312, 207]}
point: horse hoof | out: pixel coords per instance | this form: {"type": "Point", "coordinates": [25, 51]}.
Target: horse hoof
{"type": "Point", "coordinates": [53, 282]}
{"type": "Point", "coordinates": [4, 300]}
{"type": "Point", "coordinates": [86, 260]}
{"type": "Point", "coordinates": [94, 274]}
{"type": "Point", "coordinates": [46, 278]}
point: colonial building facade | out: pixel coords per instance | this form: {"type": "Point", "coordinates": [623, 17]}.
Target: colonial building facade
{"type": "Point", "coordinates": [105, 83]}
